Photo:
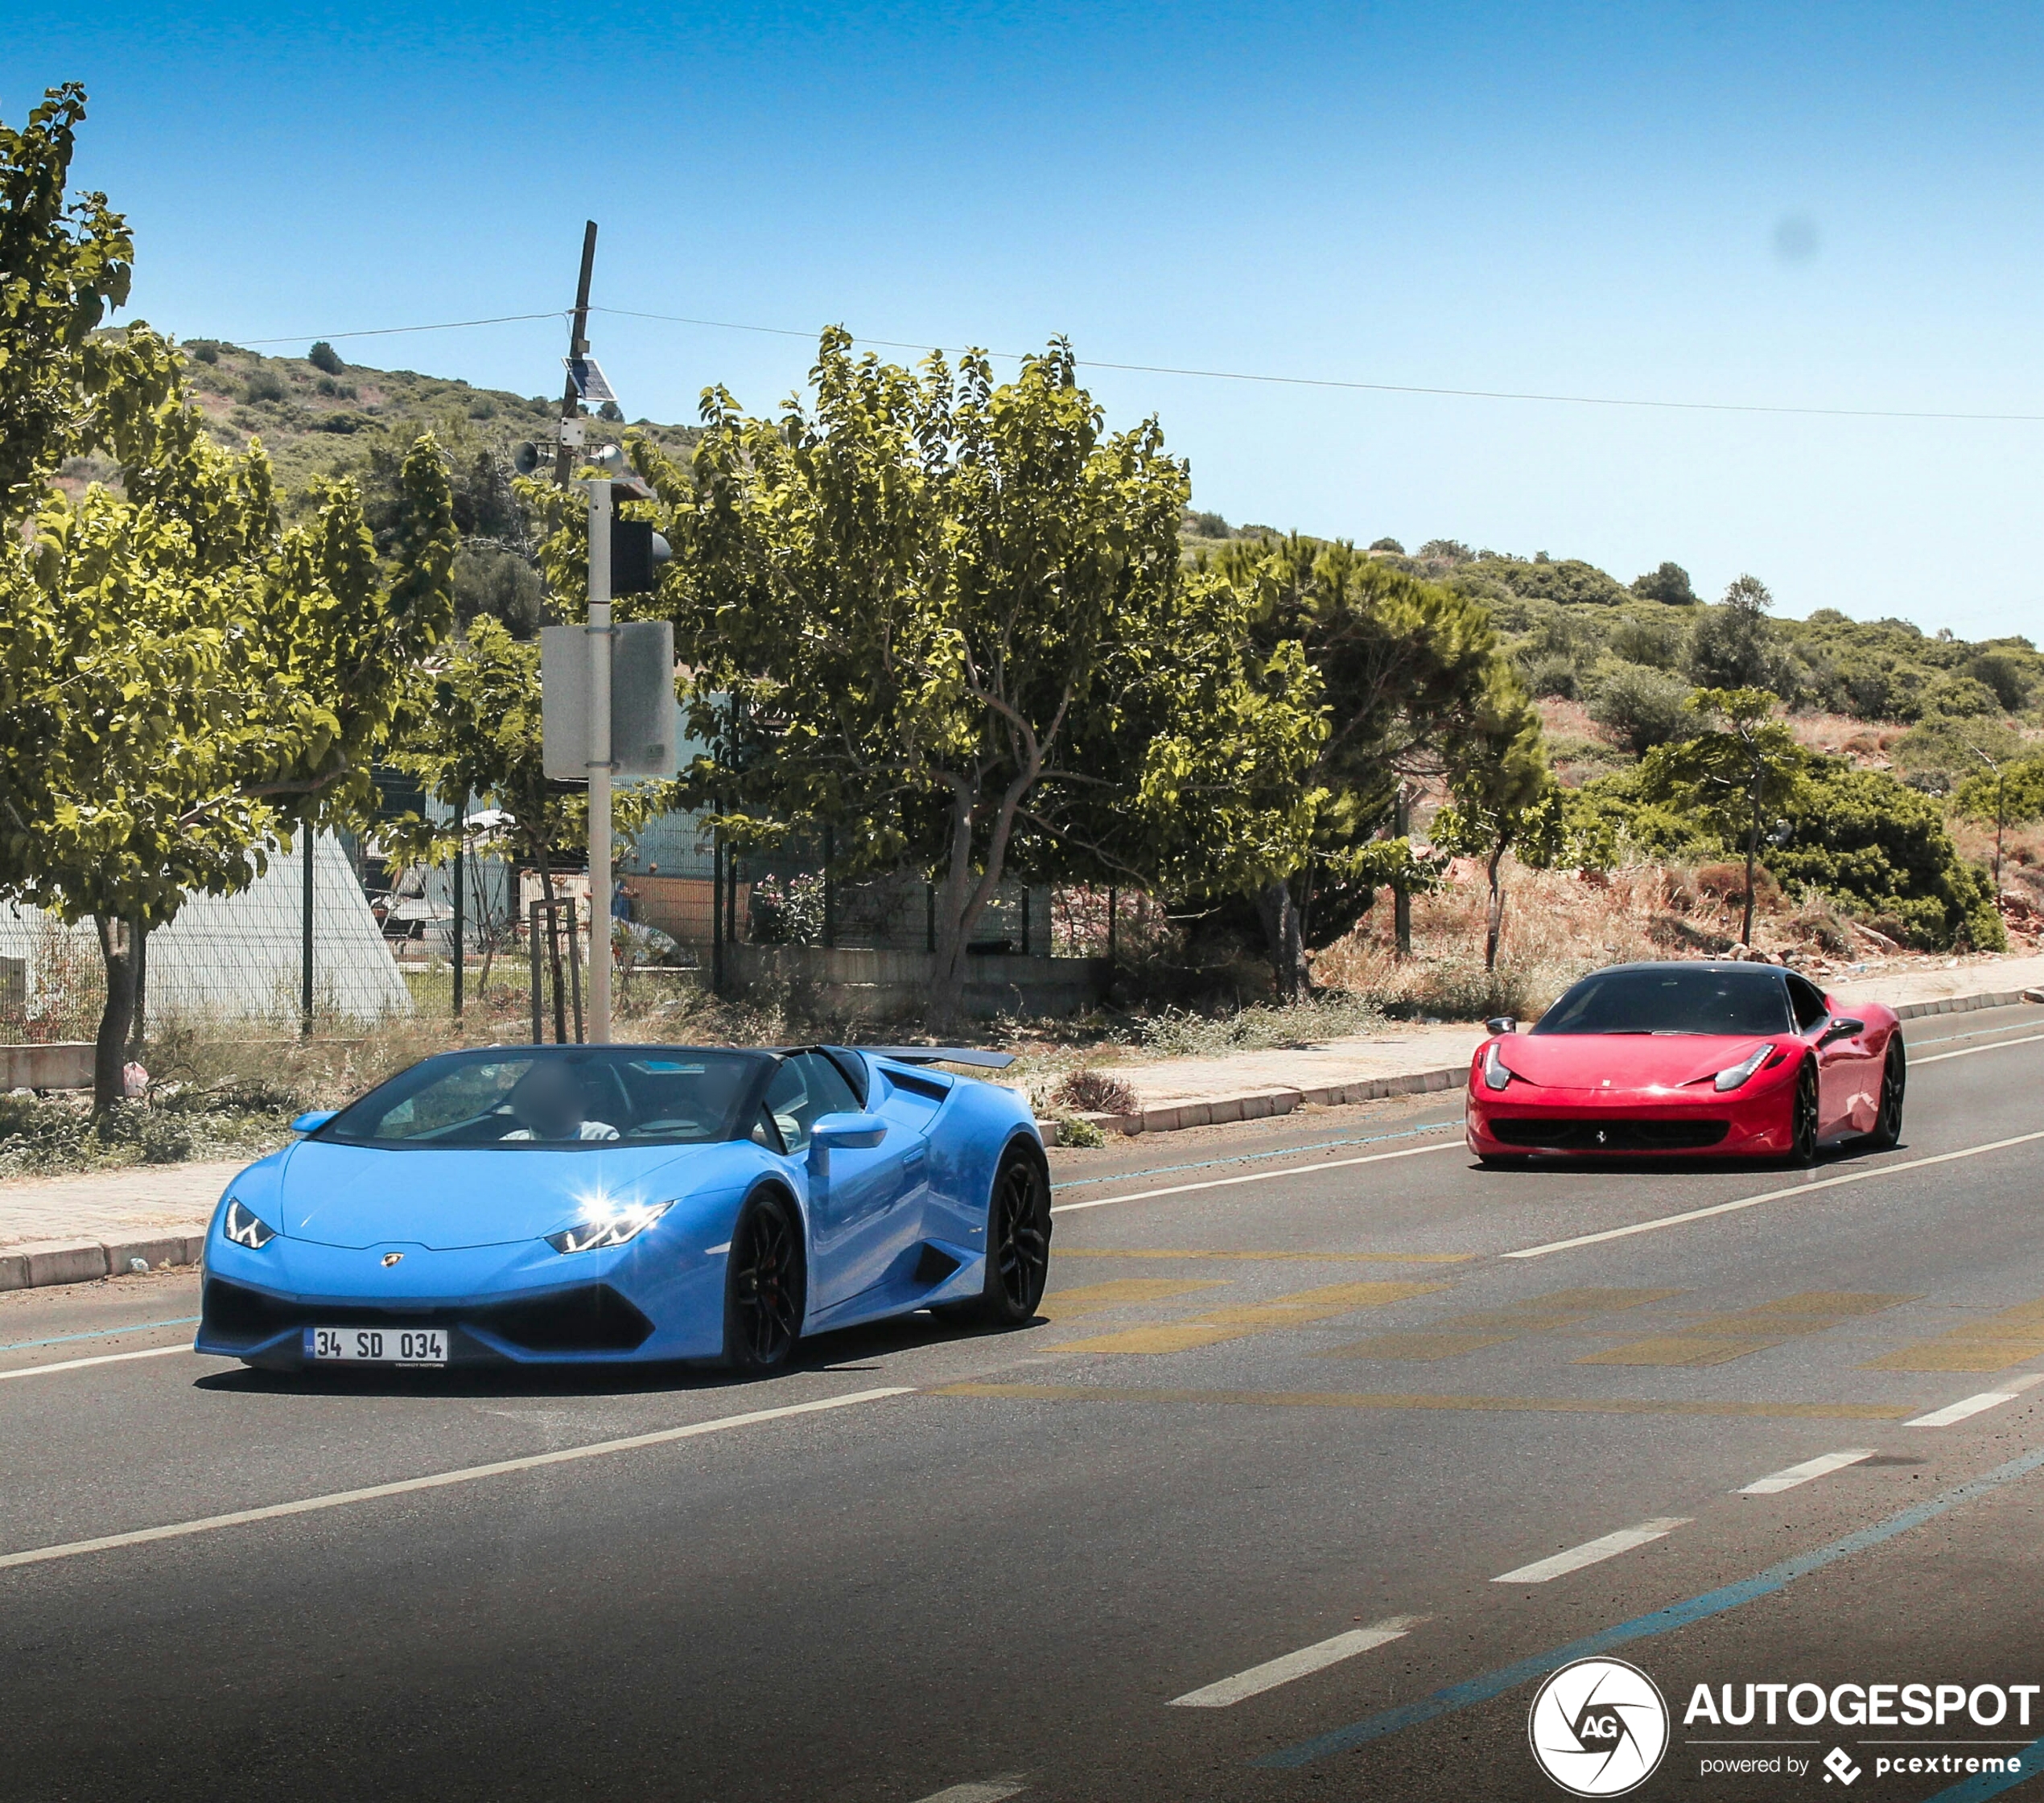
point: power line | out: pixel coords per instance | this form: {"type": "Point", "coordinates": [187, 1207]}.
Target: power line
{"type": "Point", "coordinates": [391, 331]}
{"type": "Point", "coordinates": [1337, 383]}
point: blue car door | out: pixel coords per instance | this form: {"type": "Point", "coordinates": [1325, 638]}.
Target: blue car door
{"type": "Point", "coordinates": [861, 1216]}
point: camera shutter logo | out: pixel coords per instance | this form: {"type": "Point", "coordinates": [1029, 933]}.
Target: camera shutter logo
{"type": "Point", "coordinates": [1598, 1727]}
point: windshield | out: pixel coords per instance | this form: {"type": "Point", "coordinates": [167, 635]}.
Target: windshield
{"type": "Point", "coordinates": [556, 1098]}
{"type": "Point", "coordinates": [1671, 998]}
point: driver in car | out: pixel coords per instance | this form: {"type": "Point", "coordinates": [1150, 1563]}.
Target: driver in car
{"type": "Point", "coordinates": [549, 1104]}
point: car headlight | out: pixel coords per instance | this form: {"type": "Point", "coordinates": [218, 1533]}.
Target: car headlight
{"type": "Point", "coordinates": [1739, 1073]}
{"type": "Point", "coordinates": [1497, 1074]}
{"type": "Point", "coordinates": [609, 1230]}
{"type": "Point", "coordinates": [245, 1228]}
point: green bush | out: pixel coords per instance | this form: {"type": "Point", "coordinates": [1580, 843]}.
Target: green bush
{"type": "Point", "coordinates": [1859, 836]}
{"type": "Point", "coordinates": [262, 385]}
{"type": "Point", "coordinates": [1669, 583]}
{"type": "Point", "coordinates": [1640, 707]}
{"type": "Point", "coordinates": [322, 357]}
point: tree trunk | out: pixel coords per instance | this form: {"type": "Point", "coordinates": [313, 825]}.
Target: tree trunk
{"type": "Point", "coordinates": [1495, 925]}
{"type": "Point", "coordinates": [1401, 897]}
{"type": "Point", "coordinates": [1285, 936]}
{"type": "Point", "coordinates": [109, 1053]}
{"type": "Point", "coordinates": [138, 1029]}
{"type": "Point", "coordinates": [956, 916]}
{"type": "Point", "coordinates": [1753, 859]}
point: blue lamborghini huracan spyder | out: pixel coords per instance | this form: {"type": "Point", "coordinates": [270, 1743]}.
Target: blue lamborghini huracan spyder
{"type": "Point", "coordinates": [590, 1204]}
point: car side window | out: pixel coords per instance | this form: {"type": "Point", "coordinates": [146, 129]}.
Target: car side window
{"type": "Point", "coordinates": [1808, 1003]}
{"type": "Point", "coordinates": [766, 1131]}
{"type": "Point", "coordinates": [807, 1085]}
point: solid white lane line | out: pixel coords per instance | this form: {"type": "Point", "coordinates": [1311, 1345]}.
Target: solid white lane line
{"type": "Point", "coordinates": [1318, 1657]}
{"type": "Point", "coordinates": [993, 1790]}
{"type": "Point", "coordinates": [1689, 1215]}
{"type": "Point", "coordinates": [1940, 1057]}
{"type": "Point", "coordinates": [1977, 1405]}
{"type": "Point", "coordinates": [1592, 1551]}
{"type": "Point", "coordinates": [469, 1474]}
{"type": "Point", "coordinates": [1258, 1176]}
{"type": "Point", "coordinates": [1804, 1473]}
{"type": "Point", "coordinates": [79, 1364]}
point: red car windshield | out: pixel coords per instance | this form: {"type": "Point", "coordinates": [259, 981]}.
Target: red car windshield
{"type": "Point", "coordinates": [1669, 998]}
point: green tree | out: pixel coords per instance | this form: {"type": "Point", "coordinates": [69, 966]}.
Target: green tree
{"type": "Point", "coordinates": [184, 684]}
{"type": "Point", "coordinates": [1744, 772]}
{"type": "Point", "coordinates": [934, 611]}
{"type": "Point", "coordinates": [323, 357]}
{"type": "Point", "coordinates": [65, 259]}
{"type": "Point", "coordinates": [1670, 583]}
{"type": "Point", "coordinates": [1733, 646]}
{"type": "Point", "coordinates": [1506, 800]}
{"type": "Point", "coordinates": [2008, 792]}
{"type": "Point", "coordinates": [1410, 670]}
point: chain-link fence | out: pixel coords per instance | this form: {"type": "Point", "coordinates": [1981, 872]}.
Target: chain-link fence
{"type": "Point", "coordinates": [233, 958]}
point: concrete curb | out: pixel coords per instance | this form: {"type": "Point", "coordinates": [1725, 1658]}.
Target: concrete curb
{"type": "Point", "coordinates": [52, 1262]}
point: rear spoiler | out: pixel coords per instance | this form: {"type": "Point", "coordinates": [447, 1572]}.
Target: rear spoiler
{"type": "Point", "coordinates": [943, 1055]}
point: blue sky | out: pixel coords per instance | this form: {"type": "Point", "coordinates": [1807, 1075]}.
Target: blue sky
{"type": "Point", "coordinates": [1823, 206]}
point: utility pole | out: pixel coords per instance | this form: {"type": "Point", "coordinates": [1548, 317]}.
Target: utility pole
{"type": "Point", "coordinates": [577, 346]}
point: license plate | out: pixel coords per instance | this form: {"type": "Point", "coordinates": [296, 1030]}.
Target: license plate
{"type": "Point", "coordinates": [378, 1345]}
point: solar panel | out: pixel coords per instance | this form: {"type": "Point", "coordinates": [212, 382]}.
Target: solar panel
{"type": "Point", "coordinates": [590, 381]}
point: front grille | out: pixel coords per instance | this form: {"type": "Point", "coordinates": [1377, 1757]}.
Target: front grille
{"type": "Point", "coordinates": [1610, 1136]}
{"type": "Point", "coordinates": [594, 1318]}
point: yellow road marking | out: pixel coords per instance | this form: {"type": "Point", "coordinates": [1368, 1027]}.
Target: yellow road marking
{"type": "Point", "coordinates": [1488, 1405]}
{"type": "Point", "coordinates": [1297, 1310]}
{"type": "Point", "coordinates": [1719, 1339]}
{"type": "Point", "coordinates": [1461, 1334]}
{"type": "Point", "coordinates": [1299, 1258]}
{"type": "Point", "coordinates": [1090, 1298]}
{"type": "Point", "coordinates": [2013, 1337]}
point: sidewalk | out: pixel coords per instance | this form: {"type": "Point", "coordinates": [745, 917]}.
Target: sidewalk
{"type": "Point", "coordinates": [1407, 1060]}
{"type": "Point", "coordinates": [70, 1229]}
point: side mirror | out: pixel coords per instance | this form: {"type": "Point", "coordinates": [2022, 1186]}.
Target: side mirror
{"type": "Point", "coordinates": [313, 1122]}
{"type": "Point", "coordinates": [847, 1133]}
{"type": "Point", "coordinates": [1501, 1024]}
{"type": "Point", "coordinates": [1843, 1028]}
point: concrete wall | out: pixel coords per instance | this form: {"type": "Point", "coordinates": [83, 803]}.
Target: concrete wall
{"type": "Point", "coordinates": [884, 984]}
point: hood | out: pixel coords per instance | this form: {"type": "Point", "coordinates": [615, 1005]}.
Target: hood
{"type": "Point", "coordinates": [1629, 1060]}
{"type": "Point", "coordinates": [362, 1196]}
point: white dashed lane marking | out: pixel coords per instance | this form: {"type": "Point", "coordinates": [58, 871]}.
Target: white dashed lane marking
{"type": "Point", "coordinates": [1804, 1473]}
{"type": "Point", "coordinates": [1591, 1552]}
{"type": "Point", "coordinates": [1967, 1406]}
{"type": "Point", "coordinates": [80, 1365]}
{"type": "Point", "coordinates": [1318, 1657]}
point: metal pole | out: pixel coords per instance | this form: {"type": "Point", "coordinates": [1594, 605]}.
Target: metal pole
{"type": "Point", "coordinates": [717, 911]}
{"type": "Point", "coordinates": [305, 945]}
{"type": "Point", "coordinates": [575, 969]}
{"type": "Point", "coordinates": [600, 642]}
{"type": "Point", "coordinates": [830, 888]}
{"type": "Point", "coordinates": [1025, 920]}
{"type": "Point", "coordinates": [532, 942]}
{"type": "Point", "coordinates": [460, 925]}
{"type": "Point", "coordinates": [1111, 899]}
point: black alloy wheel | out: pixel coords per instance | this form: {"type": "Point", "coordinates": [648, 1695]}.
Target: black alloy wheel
{"type": "Point", "coordinates": [764, 1287]}
{"type": "Point", "coordinates": [1803, 1117]}
{"type": "Point", "coordinates": [1018, 1246]}
{"type": "Point", "coordinates": [1894, 1079]}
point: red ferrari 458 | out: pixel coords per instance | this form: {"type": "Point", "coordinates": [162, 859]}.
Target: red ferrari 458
{"type": "Point", "coordinates": [1688, 1060]}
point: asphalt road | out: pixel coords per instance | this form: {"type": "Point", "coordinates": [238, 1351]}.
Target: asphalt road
{"type": "Point", "coordinates": [1309, 1381]}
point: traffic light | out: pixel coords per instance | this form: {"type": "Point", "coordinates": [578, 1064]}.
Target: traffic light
{"type": "Point", "coordinates": [636, 552]}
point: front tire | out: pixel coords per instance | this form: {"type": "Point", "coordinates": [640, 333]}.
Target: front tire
{"type": "Point", "coordinates": [765, 1287]}
{"type": "Point", "coordinates": [1894, 1080]}
{"type": "Point", "coordinates": [1018, 1245]}
{"type": "Point", "coordinates": [1803, 1118]}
